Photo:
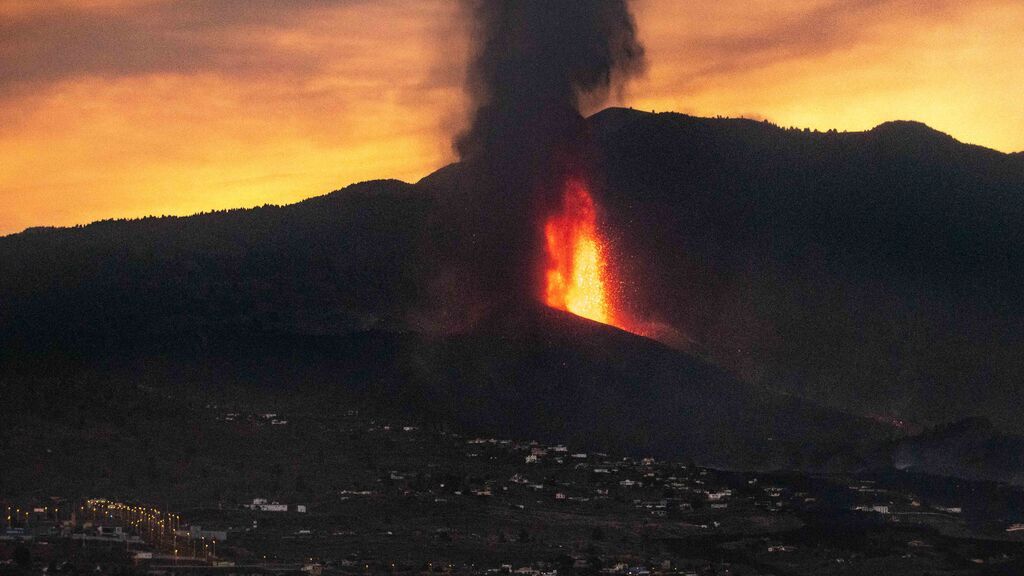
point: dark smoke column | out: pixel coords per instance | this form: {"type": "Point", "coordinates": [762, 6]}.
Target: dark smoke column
{"type": "Point", "coordinates": [534, 63]}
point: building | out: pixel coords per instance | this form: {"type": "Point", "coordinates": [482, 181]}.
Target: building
{"type": "Point", "coordinates": [197, 533]}
{"type": "Point", "coordinates": [261, 505]}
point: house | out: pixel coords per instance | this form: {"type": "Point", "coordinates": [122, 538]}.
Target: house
{"type": "Point", "coordinates": [16, 534]}
{"type": "Point", "coordinates": [261, 505]}
{"type": "Point", "coordinates": [197, 532]}
{"type": "Point", "coordinates": [781, 548]}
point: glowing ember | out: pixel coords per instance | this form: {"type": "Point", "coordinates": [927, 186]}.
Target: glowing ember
{"type": "Point", "coordinates": [575, 270]}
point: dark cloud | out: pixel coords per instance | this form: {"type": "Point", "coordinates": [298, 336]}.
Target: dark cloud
{"type": "Point", "coordinates": [809, 33]}
{"type": "Point", "coordinates": [185, 37]}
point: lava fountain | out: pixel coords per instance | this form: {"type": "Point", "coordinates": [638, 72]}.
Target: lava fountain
{"type": "Point", "coordinates": [576, 272]}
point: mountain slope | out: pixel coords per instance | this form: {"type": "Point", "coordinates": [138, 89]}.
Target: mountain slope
{"type": "Point", "coordinates": [877, 272]}
{"type": "Point", "coordinates": [528, 372]}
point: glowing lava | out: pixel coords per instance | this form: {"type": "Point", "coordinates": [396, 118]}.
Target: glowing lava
{"type": "Point", "coordinates": [576, 270]}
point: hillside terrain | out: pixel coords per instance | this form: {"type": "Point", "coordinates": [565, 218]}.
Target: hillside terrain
{"type": "Point", "coordinates": [877, 271]}
{"type": "Point", "coordinates": [827, 295]}
{"type": "Point", "coordinates": [357, 488]}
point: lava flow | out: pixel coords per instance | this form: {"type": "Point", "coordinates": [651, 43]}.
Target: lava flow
{"type": "Point", "coordinates": [576, 271]}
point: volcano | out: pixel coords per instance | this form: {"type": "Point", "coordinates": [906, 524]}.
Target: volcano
{"type": "Point", "coordinates": [809, 279]}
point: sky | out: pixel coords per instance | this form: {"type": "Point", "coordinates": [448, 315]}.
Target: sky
{"type": "Point", "coordinates": [128, 108]}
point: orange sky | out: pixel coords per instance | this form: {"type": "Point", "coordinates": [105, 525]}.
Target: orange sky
{"type": "Point", "coordinates": [124, 108]}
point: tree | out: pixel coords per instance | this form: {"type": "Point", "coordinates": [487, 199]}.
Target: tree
{"type": "Point", "coordinates": [301, 486]}
{"type": "Point", "coordinates": [22, 557]}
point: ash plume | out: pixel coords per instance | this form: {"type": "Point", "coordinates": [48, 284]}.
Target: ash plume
{"type": "Point", "coordinates": [534, 65]}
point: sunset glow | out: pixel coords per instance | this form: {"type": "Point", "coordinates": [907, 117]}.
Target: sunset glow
{"type": "Point", "coordinates": [127, 108]}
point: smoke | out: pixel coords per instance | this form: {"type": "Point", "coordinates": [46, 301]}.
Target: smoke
{"type": "Point", "coordinates": [535, 64]}
{"type": "Point", "coordinates": [535, 61]}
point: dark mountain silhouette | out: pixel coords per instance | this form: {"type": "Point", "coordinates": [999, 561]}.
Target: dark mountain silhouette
{"type": "Point", "coordinates": [877, 271]}
{"type": "Point", "coordinates": [873, 272]}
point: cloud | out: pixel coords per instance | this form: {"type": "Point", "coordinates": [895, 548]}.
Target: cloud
{"type": "Point", "coordinates": [163, 106]}
{"type": "Point", "coordinates": [730, 36]}
{"type": "Point", "coordinates": [180, 107]}
{"type": "Point", "coordinates": [242, 38]}
{"type": "Point", "coordinates": [848, 65]}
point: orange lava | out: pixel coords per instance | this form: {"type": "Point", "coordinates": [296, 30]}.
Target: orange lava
{"type": "Point", "coordinates": [576, 270]}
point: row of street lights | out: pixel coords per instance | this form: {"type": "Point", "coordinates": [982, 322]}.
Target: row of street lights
{"type": "Point", "coordinates": [160, 529]}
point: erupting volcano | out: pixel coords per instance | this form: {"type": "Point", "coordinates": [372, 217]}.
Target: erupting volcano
{"type": "Point", "coordinates": [533, 66]}
{"type": "Point", "coordinates": [576, 270]}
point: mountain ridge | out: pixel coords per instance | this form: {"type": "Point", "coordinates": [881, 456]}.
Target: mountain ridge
{"type": "Point", "coordinates": [907, 126]}
{"type": "Point", "coordinates": [872, 273]}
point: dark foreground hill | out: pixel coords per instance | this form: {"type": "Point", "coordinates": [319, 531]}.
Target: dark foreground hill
{"type": "Point", "coordinates": [874, 272]}
{"type": "Point", "coordinates": [533, 373]}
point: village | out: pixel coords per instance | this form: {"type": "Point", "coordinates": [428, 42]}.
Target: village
{"type": "Point", "coordinates": [439, 502]}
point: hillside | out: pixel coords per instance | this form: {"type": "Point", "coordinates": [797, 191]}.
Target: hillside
{"type": "Point", "coordinates": [873, 272]}
{"type": "Point", "coordinates": [533, 373]}
{"type": "Point", "coordinates": [877, 271]}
